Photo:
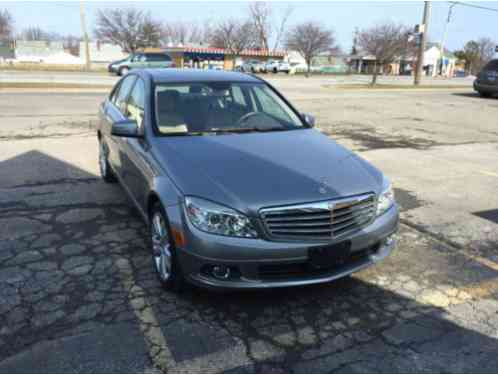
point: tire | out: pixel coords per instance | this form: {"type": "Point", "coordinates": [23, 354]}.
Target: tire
{"type": "Point", "coordinates": [105, 168]}
{"type": "Point", "coordinates": [484, 94]}
{"type": "Point", "coordinates": [123, 71]}
{"type": "Point", "coordinates": [162, 247]}
{"type": "Point", "coordinates": [253, 71]}
{"type": "Point", "coordinates": [275, 70]}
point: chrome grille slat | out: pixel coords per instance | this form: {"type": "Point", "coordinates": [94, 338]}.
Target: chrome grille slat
{"type": "Point", "coordinates": [271, 219]}
{"type": "Point", "coordinates": [295, 225]}
{"type": "Point", "coordinates": [357, 206]}
{"type": "Point", "coordinates": [320, 220]}
{"type": "Point", "coordinates": [327, 230]}
{"type": "Point", "coordinates": [345, 213]}
{"type": "Point", "coordinates": [345, 224]}
{"type": "Point", "coordinates": [351, 216]}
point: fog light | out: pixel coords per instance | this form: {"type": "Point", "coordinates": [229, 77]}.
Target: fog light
{"type": "Point", "coordinates": [221, 272]}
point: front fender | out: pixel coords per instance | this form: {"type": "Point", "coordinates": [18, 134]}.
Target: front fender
{"type": "Point", "coordinates": [164, 189]}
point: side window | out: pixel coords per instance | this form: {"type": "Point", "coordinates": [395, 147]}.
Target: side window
{"type": "Point", "coordinates": [492, 65]}
{"type": "Point", "coordinates": [157, 57]}
{"type": "Point", "coordinates": [114, 94]}
{"type": "Point", "coordinates": [136, 103]}
{"type": "Point", "coordinates": [139, 58]}
{"type": "Point", "coordinates": [238, 96]}
{"type": "Point", "coordinates": [124, 90]}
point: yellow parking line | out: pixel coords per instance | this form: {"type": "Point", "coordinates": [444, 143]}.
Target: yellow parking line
{"type": "Point", "coordinates": [488, 173]}
{"type": "Point", "coordinates": [486, 262]}
{"type": "Point", "coordinates": [482, 289]}
{"type": "Point", "coordinates": [149, 325]}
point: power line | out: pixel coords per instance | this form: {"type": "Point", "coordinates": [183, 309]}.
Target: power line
{"type": "Point", "coordinates": [473, 6]}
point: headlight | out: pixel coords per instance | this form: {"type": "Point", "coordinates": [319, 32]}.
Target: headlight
{"type": "Point", "coordinates": [213, 218]}
{"type": "Point", "coordinates": [386, 198]}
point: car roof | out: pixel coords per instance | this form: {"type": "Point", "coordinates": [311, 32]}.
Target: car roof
{"type": "Point", "coordinates": [196, 75]}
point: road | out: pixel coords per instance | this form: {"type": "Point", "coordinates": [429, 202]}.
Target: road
{"type": "Point", "coordinates": [78, 295]}
{"type": "Point", "coordinates": [82, 78]}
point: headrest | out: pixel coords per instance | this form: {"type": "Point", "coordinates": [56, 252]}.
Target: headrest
{"type": "Point", "coordinates": [168, 100]}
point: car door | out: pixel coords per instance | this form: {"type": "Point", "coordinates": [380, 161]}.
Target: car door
{"type": "Point", "coordinates": [139, 61]}
{"type": "Point", "coordinates": [137, 172]}
{"type": "Point", "coordinates": [164, 61]}
{"type": "Point", "coordinates": [114, 111]}
{"type": "Point", "coordinates": [152, 60]}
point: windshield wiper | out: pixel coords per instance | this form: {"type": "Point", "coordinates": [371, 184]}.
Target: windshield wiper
{"type": "Point", "coordinates": [184, 134]}
{"type": "Point", "coordinates": [229, 130]}
{"type": "Point", "coordinates": [245, 130]}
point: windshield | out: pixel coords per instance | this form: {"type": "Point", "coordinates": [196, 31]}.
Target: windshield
{"type": "Point", "coordinates": [221, 107]}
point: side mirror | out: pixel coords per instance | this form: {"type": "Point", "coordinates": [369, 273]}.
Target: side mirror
{"type": "Point", "coordinates": [308, 119]}
{"type": "Point", "coordinates": [125, 128]}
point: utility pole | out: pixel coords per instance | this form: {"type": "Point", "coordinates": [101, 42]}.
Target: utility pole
{"type": "Point", "coordinates": [423, 39]}
{"type": "Point", "coordinates": [85, 36]}
{"type": "Point", "coordinates": [443, 40]}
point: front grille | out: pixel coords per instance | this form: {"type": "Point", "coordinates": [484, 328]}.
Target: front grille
{"type": "Point", "coordinates": [320, 220]}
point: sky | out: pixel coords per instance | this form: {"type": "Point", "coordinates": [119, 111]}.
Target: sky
{"type": "Point", "coordinates": [466, 23]}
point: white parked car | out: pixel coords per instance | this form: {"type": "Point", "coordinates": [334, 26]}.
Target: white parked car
{"type": "Point", "coordinates": [276, 66]}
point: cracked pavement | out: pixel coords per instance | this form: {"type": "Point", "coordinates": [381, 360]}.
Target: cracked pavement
{"type": "Point", "coordinates": [77, 291]}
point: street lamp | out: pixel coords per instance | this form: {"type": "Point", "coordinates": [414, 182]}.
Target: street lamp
{"type": "Point", "coordinates": [443, 40]}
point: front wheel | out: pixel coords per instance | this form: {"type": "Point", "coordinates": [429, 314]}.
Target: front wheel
{"type": "Point", "coordinates": [164, 257]}
{"type": "Point", "coordinates": [123, 71]}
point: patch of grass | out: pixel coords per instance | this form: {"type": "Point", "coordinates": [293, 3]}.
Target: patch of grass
{"type": "Point", "coordinates": [381, 86]}
{"type": "Point", "coordinates": [51, 85]}
{"type": "Point", "coordinates": [41, 67]}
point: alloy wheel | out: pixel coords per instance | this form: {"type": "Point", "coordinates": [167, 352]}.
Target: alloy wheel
{"type": "Point", "coordinates": [161, 247]}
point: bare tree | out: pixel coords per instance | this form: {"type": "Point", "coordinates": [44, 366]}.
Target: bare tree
{"type": "Point", "coordinates": [282, 27]}
{"type": "Point", "coordinates": [37, 33]}
{"type": "Point", "coordinates": [6, 24]}
{"type": "Point", "coordinates": [129, 28]}
{"type": "Point", "coordinates": [387, 42]}
{"type": "Point", "coordinates": [263, 20]}
{"type": "Point", "coordinates": [234, 35]}
{"type": "Point", "coordinates": [310, 39]}
{"type": "Point", "coordinates": [183, 32]}
{"type": "Point", "coordinates": [486, 51]}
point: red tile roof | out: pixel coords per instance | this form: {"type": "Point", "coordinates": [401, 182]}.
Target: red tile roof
{"type": "Point", "coordinates": [222, 51]}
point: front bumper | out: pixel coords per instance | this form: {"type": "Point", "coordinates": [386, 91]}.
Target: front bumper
{"type": "Point", "coordinates": [249, 257]}
{"type": "Point", "coordinates": [486, 88]}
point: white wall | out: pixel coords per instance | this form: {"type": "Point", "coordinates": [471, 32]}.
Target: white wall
{"type": "Point", "coordinates": [102, 52]}
{"type": "Point", "coordinates": [295, 57]}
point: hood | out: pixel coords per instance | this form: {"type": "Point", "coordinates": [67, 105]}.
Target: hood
{"type": "Point", "coordinates": [255, 170]}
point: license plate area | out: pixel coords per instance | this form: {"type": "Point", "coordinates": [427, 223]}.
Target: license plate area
{"type": "Point", "coordinates": [329, 256]}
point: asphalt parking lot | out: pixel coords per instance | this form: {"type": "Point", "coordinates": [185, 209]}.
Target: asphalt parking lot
{"type": "Point", "coordinates": [77, 292]}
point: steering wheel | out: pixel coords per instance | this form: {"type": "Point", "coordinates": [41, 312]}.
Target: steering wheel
{"type": "Point", "coordinates": [246, 117]}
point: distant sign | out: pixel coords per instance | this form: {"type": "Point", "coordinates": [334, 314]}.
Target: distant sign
{"type": "Point", "coordinates": [420, 28]}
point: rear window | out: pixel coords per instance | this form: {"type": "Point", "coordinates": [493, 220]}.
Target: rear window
{"type": "Point", "coordinates": [156, 57]}
{"type": "Point", "coordinates": [492, 65]}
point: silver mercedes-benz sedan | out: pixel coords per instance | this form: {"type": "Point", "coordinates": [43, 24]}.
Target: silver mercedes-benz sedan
{"type": "Point", "coordinates": [237, 188]}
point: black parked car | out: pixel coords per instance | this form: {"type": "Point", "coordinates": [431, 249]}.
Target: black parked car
{"type": "Point", "coordinates": [486, 83]}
